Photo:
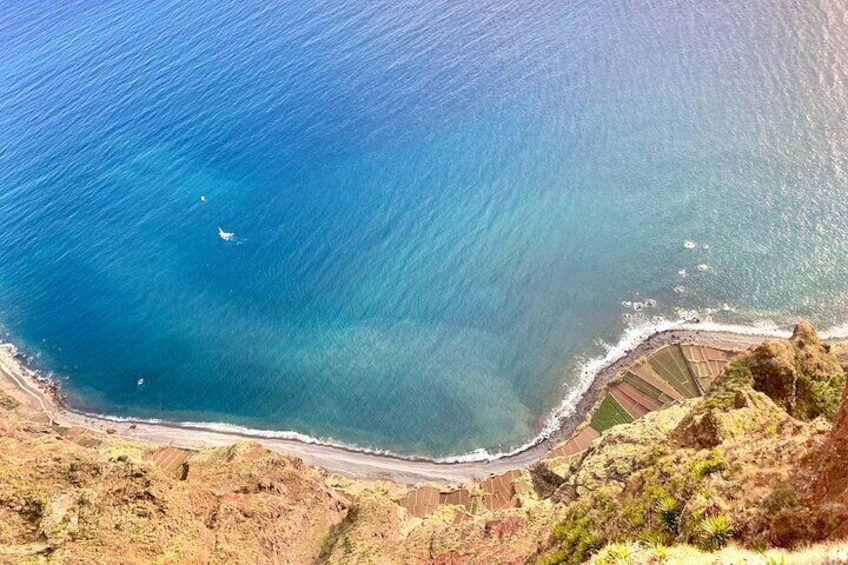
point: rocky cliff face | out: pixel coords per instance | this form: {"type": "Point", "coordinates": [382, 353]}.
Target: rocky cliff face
{"type": "Point", "coordinates": [801, 375]}
{"type": "Point", "coordinates": [754, 464]}
{"type": "Point", "coordinates": [830, 487]}
{"type": "Point", "coordinates": [740, 466]}
{"type": "Point", "coordinates": [78, 497]}
{"type": "Point", "coordinates": [64, 503]}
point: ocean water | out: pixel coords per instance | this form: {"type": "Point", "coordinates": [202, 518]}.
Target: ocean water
{"type": "Point", "coordinates": [442, 210]}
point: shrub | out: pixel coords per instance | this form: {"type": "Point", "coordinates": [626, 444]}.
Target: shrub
{"type": "Point", "coordinates": [714, 464]}
{"type": "Point", "coordinates": [574, 540]}
{"type": "Point", "coordinates": [826, 396]}
{"type": "Point", "coordinates": [8, 402]}
{"type": "Point", "coordinates": [780, 498]}
{"type": "Point", "coordinates": [661, 553]}
{"type": "Point", "coordinates": [641, 506]}
{"type": "Point", "coordinates": [669, 511]}
{"type": "Point", "coordinates": [614, 554]}
{"type": "Point", "coordinates": [737, 376]}
{"type": "Point", "coordinates": [715, 531]}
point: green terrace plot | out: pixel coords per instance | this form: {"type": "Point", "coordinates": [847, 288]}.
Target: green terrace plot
{"type": "Point", "coordinates": [609, 414]}
{"type": "Point", "coordinates": [649, 389]}
{"type": "Point", "coordinates": [668, 375]}
{"type": "Point", "coordinates": [643, 371]}
{"type": "Point", "coordinates": [671, 365]}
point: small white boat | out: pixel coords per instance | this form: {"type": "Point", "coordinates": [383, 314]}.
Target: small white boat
{"type": "Point", "coordinates": [688, 244]}
{"type": "Point", "coordinates": [202, 198]}
{"type": "Point", "coordinates": [225, 235]}
{"type": "Point", "coordinates": [139, 382]}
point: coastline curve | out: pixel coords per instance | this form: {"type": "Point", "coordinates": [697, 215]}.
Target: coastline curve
{"type": "Point", "coordinates": [359, 462]}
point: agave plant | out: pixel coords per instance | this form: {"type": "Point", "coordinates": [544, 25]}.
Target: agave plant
{"type": "Point", "coordinates": [669, 511]}
{"type": "Point", "coordinates": [716, 530]}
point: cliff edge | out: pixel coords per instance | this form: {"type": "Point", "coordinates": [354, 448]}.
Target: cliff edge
{"type": "Point", "coordinates": [754, 469]}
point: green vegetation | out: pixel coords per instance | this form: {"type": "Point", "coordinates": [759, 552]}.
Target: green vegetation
{"type": "Point", "coordinates": [648, 389]}
{"type": "Point", "coordinates": [614, 554]}
{"type": "Point", "coordinates": [735, 378]}
{"type": "Point", "coordinates": [656, 486]}
{"type": "Point", "coordinates": [801, 375]}
{"type": "Point", "coordinates": [609, 414]}
{"type": "Point", "coordinates": [692, 488]}
{"type": "Point", "coordinates": [714, 464]}
{"type": "Point", "coordinates": [574, 540]}
{"type": "Point", "coordinates": [781, 498]}
{"type": "Point", "coordinates": [671, 365]}
{"type": "Point", "coordinates": [326, 544]}
{"type": "Point", "coordinates": [669, 511]}
{"type": "Point", "coordinates": [8, 402]}
{"type": "Point", "coordinates": [545, 481]}
{"type": "Point", "coordinates": [716, 530]}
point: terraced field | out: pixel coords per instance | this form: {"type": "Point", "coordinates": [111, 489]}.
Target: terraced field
{"type": "Point", "coordinates": [169, 459]}
{"type": "Point", "coordinates": [609, 414]}
{"type": "Point", "coordinates": [706, 363]}
{"type": "Point", "coordinates": [497, 492]}
{"type": "Point", "coordinates": [668, 375]}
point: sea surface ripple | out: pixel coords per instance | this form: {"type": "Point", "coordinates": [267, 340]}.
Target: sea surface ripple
{"type": "Point", "coordinates": [443, 214]}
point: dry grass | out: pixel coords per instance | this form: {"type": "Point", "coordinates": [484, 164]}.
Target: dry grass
{"type": "Point", "coordinates": [834, 553]}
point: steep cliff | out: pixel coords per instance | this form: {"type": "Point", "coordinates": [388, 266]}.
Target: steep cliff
{"type": "Point", "coordinates": [739, 466]}
{"type": "Point", "coordinates": [753, 470]}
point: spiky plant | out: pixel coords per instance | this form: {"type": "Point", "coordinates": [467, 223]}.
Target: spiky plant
{"type": "Point", "coordinates": [669, 511]}
{"type": "Point", "coordinates": [715, 531]}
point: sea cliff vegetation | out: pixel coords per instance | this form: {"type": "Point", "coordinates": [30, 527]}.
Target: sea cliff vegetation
{"type": "Point", "coordinates": [738, 466]}
{"type": "Point", "coordinates": [753, 471]}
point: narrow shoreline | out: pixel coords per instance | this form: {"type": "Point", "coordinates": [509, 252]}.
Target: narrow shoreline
{"type": "Point", "coordinates": [351, 462]}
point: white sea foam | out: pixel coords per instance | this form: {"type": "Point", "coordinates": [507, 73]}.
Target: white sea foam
{"type": "Point", "coordinates": [585, 374]}
{"type": "Point", "coordinates": [838, 332]}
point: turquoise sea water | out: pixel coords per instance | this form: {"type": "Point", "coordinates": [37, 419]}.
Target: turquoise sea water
{"type": "Point", "coordinates": [438, 207]}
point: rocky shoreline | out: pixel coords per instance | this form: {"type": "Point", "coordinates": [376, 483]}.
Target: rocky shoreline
{"type": "Point", "coordinates": [344, 460]}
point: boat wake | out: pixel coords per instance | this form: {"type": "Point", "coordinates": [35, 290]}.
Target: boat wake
{"type": "Point", "coordinates": [225, 235]}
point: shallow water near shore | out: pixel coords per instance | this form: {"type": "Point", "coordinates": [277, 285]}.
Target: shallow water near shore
{"type": "Point", "coordinates": [442, 213]}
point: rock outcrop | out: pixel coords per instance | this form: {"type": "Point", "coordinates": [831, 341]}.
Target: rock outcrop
{"type": "Point", "coordinates": [739, 466]}
{"type": "Point", "coordinates": [801, 375]}
{"type": "Point", "coordinates": [755, 463]}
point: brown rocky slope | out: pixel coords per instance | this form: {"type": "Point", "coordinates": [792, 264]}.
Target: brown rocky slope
{"type": "Point", "coordinates": [754, 464]}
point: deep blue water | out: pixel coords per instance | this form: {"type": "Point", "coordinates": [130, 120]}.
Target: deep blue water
{"type": "Point", "coordinates": [438, 207]}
